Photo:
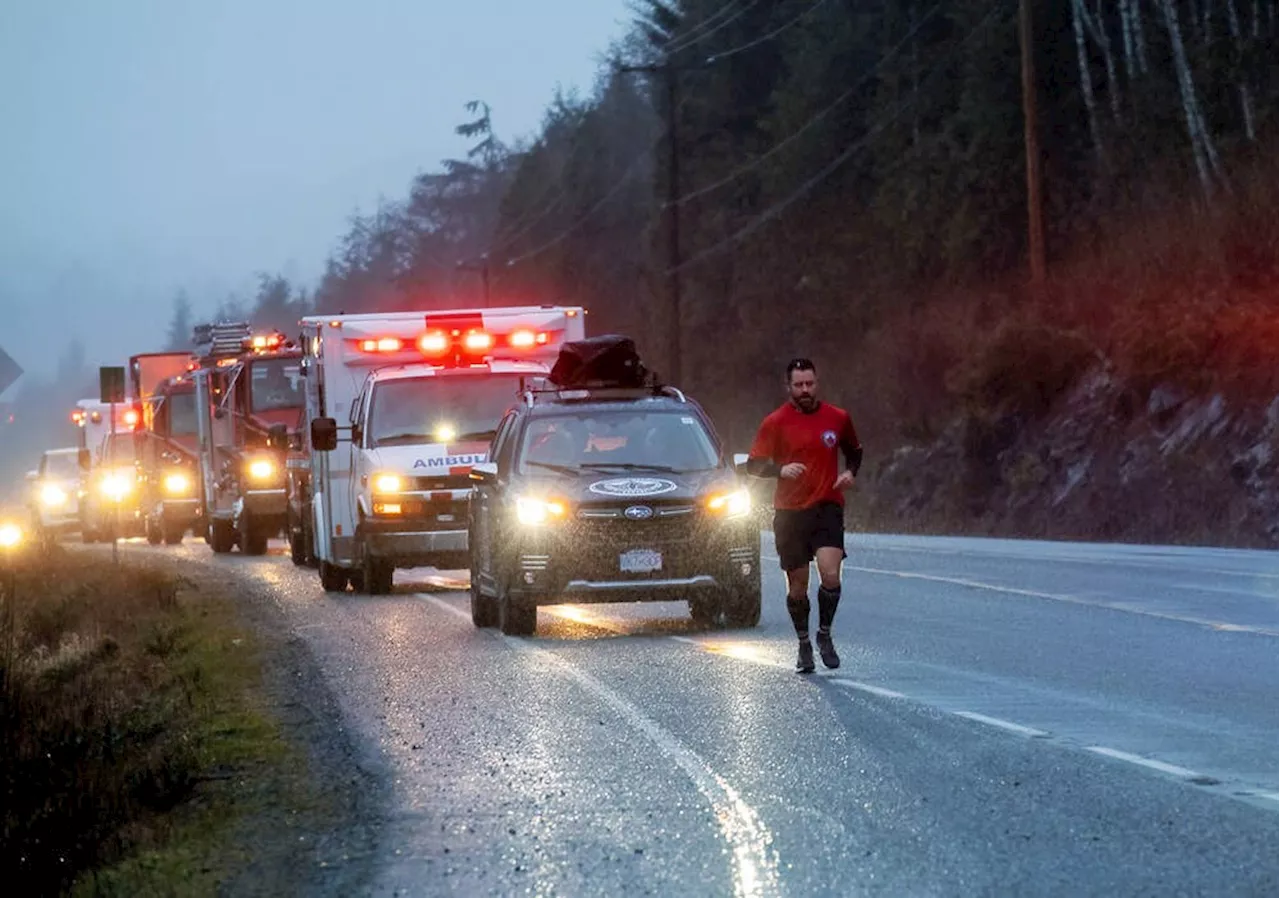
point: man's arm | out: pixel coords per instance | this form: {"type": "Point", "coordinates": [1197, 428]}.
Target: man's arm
{"type": "Point", "coordinates": [850, 447]}
{"type": "Point", "coordinates": [760, 458]}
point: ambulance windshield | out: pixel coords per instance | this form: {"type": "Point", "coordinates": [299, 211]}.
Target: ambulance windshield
{"type": "Point", "coordinates": [439, 409]}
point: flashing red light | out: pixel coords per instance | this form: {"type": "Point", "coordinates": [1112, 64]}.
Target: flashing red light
{"type": "Point", "coordinates": [478, 341]}
{"type": "Point", "coordinates": [382, 344]}
{"type": "Point", "coordinates": [433, 343]}
{"type": "Point", "coordinates": [526, 339]}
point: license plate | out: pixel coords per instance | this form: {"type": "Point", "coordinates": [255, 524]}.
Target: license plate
{"type": "Point", "coordinates": [640, 561]}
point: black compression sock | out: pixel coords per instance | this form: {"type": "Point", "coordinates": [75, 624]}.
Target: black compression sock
{"type": "Point", "coordinates": [799, 611]}
{"type": "Point", "coordinates": [828, 599]}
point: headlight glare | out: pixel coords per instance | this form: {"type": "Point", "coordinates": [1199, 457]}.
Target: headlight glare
{"type": "Point", "coordinates": [52, 495]}
{"type": "Point", "coordinates": [387, 483]}
{"type": "Point", "coordinates": [731, 505]}
{"type": "Point", "coordinates": [533, 511]}
{"type": "Point", "coordinates": [176, 484]}
{"type": "Point", "coordinates": [262, 469]}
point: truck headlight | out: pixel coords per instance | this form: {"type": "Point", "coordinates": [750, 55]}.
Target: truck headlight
{"type": "Point", "coordinates": [732, 505]}
{"type": "Point", "coordinates": [533, 511]}
{"type": "Point", "coordinates": [176, 484]}
{"type": "Point", "coordinates": [52, 495]}
{"type": "Point", "coordinates": [261, 469]}
{"type": "Point", "coordinates": [387, 483]}
{"type": "Point", "coordinates": [118, 484]}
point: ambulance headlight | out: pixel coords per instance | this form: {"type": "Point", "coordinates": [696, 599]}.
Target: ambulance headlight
{"type": "Point", "coordinates": [387, 483]}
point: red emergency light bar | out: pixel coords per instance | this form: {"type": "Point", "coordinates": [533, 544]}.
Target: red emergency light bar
{"type": "Point", "coordinates": [471, 341]}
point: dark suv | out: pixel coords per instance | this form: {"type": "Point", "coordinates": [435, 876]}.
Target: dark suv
{"type": "Point", "coordinates": [610, 495]}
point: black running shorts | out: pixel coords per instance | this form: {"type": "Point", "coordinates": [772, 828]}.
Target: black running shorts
{"type": "Point", "coordinates": [799, 533]}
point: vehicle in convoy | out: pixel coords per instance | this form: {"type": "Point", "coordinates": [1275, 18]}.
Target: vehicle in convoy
{"type": "Point", "coordinates": [419, 396]}
{"type": "Point", "coordinates": [249, 403]}
{"type": "Point", "coordinates": [610, 489]}
{"type": "Point", "coordinates": [170, 474]}
{"type": "Point", "coordinates": [56, 488]}
{"type": "Point", "coordinates": [112, 503]}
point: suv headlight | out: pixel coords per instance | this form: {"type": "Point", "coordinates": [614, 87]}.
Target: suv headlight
{"type": "Point", "coordinates": [532, 511]}
{"type": "Point", "coordinates": [53, 495]}
{"type": "Point", "coordinates": [730, 504]}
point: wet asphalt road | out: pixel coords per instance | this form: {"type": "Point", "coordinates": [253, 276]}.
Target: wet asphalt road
{"type": "Point", "coordinates": [1010, 719]}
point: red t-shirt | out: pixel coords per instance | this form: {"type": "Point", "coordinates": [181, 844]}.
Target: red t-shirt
{"type": "Point", "coordinates": [814, 439]}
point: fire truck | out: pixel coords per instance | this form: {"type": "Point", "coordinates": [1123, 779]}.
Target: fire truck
{"type": "Point", "coordinates": [249, 400]}
{"type": "Point", "coordinates": [419, 395]}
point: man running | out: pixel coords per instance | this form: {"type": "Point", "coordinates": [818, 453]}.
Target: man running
{"type": "Point", "coordinates": [799, 444]}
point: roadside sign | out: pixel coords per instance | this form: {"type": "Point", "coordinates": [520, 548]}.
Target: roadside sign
{"type": "Point", "coordinates": [10, 371]}
{"type": "Point", "coordinates": [111, 383]}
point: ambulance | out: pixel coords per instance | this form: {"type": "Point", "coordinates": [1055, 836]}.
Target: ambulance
{"type": "Point", "coordinates": [110, 489]}
{"type": "Point", "coordinates": [398, 408]}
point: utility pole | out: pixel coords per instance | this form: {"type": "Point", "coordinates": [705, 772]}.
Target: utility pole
{"type": "Point", "coordinates": [671, 76]}
{"type": "Point", "coordinates": [1035, 215]}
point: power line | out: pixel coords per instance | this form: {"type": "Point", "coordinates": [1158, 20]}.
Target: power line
{"type": "Point", "coordinates": [677, 46]}
{"type": "Point", "coordinates": [826, 171]}
{"type": "Point", "coordinates": [725, 54]}
{"type": "Point", "coordinates": [817, 117]}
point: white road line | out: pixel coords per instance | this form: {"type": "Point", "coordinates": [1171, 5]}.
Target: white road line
{"type": "Point", "coordinates": [867, 687]}
{"type": "Point", "coordinates": [1002, 724]}
{"type": "Point", "coordinates": [1171, 769]}
{"type": "Point", "coordinates": [755, 864]}
{"type": "Point", "coordinates": [1123, 607]}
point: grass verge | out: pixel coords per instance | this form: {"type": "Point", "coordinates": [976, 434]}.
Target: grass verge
{"type": "Point", "coordinates": [135, 736]}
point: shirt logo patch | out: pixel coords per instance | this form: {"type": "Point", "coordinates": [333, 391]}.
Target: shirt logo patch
{"type": "Point", "coordinates": [829, 439]}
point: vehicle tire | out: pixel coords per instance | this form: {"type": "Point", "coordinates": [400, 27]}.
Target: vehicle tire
{"type": "Point", "coordinates": [742, 608]}
{"type": "Point", "coordinates": [517, 616]}
{"type": "Point", "coordinates": [484, 609]}
{"type": "Point", "coordinates": [154, 536]}
{"type": "Point", "coordinates": [297, 549]}
{"type": "Point", "coordinates": [378, 575]}
{"type": "Point", "coordinates": [221, 536]}
{"type": "Point", "coordinates": [253, 536]}
{"type": "Point", "coordinates": [333, 578]}
{"type": "Point", "coordinates": [173, 534]}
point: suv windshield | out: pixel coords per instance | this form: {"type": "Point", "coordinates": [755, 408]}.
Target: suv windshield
{"type": "Point", "coordinates": [61, 466]}
{"type": "Point", "coordinates": [618, 439]}
{"type": "Point", "coordinates": [274, 384]}
{"type": "Point", "coordinates": [182, 413]}
{"type": "Point", "coordinates": [439, 409]}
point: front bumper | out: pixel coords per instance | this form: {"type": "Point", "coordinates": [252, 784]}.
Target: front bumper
{"type": "Point", "coordinates": [411, 544]}
{"type": "Point", "coordinates": [180, 511]}
{"type": "Point", "coordinates": [266, 503]}
{"type": "Point", "coordinates": [628, 562]}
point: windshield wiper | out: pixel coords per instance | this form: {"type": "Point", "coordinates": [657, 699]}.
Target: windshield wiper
{"type": "Point", "coordinates": [477, 435]}
{"type": "Point", "coordinates": [631, 466]}
{"type": "Point", "coordinates": [562, 469]}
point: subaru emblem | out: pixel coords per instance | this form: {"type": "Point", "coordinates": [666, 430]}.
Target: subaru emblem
{"type": "Point", "coordinates": [638, 512]}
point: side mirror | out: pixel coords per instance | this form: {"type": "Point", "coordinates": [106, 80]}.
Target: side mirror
{"type": "Point", "coordinates": [740, 462]}
{"type": "Point", "coordinates": [484, 472]}
{"type": "Point", "coordinates": [83, 458]}
{"type": "Point", "coordinates": [278, 437]}
{"type": "Point", "coordinates": [324, 434]}
{"type": "Point", "coordinates": [33, 476]}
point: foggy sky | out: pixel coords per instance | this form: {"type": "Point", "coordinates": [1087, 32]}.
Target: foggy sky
{"type": "Point", "coordinates": [156, 144]}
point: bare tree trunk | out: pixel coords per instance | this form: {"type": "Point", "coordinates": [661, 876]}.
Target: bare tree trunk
{"type": "Point", "coordinates": [1126, 38]}
{"type": "Point", "coordinates": [1206, 157]}
{"type": "Point", "coordinates": [1086, 77]}
{"type": "Point", "coordinates": [1098, 28]}
{"type": "Point", "coordinates": [1242, 76]}
{"type": "Point", "coordinates": [1139, 37]}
